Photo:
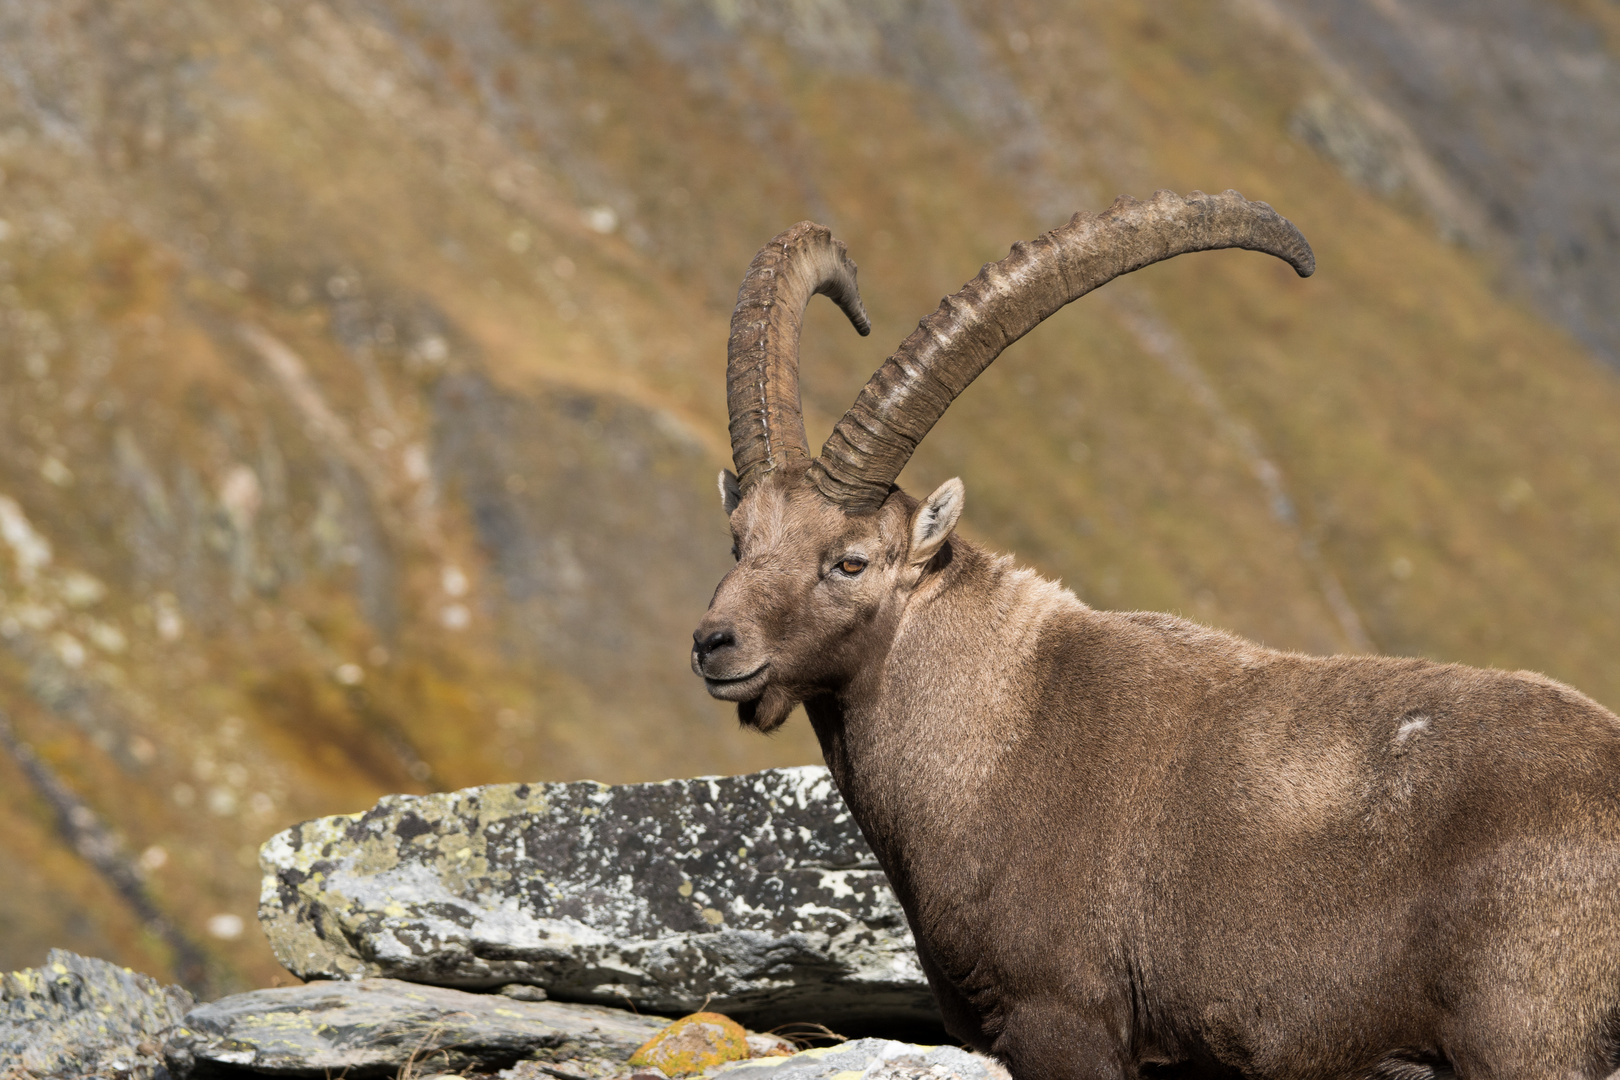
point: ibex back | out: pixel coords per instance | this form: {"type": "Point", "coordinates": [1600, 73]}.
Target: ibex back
{"type": "Point", "coordinates": [1125, 841]}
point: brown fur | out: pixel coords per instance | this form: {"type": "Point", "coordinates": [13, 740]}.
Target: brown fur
{"type": "Point", "coordinates": [1126, 842]}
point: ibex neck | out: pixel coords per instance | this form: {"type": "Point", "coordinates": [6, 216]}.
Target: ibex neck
{"type": "Point", "coordinates": [917, 741]}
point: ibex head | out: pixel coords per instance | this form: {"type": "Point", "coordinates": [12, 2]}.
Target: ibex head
{"type": "Point", "coordinates": [829, 551]}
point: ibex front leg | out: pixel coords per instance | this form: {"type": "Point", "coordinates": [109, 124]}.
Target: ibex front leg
{"type": "Point", "coordinates": [1053, 1040]}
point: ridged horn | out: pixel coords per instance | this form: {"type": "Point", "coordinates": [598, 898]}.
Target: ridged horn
{"type": "Point", "coordinates": [762, 356]}
{"type": "Point", "coordinates": [1008, 299]}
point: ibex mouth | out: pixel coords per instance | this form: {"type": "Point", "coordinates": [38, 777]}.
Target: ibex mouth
{"type": "Point", "coordinates": [742, 688]}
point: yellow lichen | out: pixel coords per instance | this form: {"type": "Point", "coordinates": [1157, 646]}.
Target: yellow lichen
{"type": "Point", "coordinates": [694, 1044]}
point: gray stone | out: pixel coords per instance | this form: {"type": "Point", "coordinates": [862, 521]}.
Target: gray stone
{"type": "Point", "coordinates": [1338, 128]}
{"type": "Point", "coordinates": [755, 894]}
{"type": "Point", "coordinates": [76, 1016]}
{"type": "Point", "coordinates": [871, 1059]}
{"type": "Point", "coordinates": [376, 1027]}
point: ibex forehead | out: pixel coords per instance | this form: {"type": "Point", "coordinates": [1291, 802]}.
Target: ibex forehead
{"type": "Point", "coordinates": [787, 511]}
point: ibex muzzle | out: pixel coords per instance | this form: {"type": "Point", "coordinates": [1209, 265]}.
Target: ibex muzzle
{"type": "Point", "coordinates": [1124, 841]}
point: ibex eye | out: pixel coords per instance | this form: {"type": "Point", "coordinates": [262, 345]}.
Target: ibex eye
{"type": "Point", "coordinates": [852, 566]}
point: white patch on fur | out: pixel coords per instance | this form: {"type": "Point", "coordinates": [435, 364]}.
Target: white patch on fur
{"type": "Point", "coordinates": [1416, 725]}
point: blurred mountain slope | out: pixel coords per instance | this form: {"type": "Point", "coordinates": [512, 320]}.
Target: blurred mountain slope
{"type": "Point", "coordinates": [1518, 105]}
{"type": "Point", "coordinates": [362, 381]}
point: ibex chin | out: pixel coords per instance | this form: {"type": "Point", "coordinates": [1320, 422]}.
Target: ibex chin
{"type": "Point", "coordinates": [1129, 845]}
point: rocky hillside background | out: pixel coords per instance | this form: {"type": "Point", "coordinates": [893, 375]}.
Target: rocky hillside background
{"type": "Point", "coordinates": [361, 375]}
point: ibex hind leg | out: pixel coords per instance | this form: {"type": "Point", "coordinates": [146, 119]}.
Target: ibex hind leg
{"type": "Point", "coordinates": [1533, 991]}
{"type": "Point", "coordinates": [1546, 1037]}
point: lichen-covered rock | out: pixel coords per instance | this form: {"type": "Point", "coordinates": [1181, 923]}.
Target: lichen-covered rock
{"type": "Point", "coordinates": [374, 1027]}
{"type": "Point", "coordinates": [694, 1044]}
{"type": "Point", "coordinates": [76, 1016]}
{"type": "Point", "coordinates": [755, 894]}
{"type": "Point", "coordinates": [871, 1059]}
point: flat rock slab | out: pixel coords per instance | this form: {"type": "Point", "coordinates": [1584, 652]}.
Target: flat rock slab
{"type": "Point", "coordinates": [871, 1059]}
{"type": "Point", "coordinates": [754, 894]}
{"type": "Point", "coordinates": [374, 1027]}
{"type": "Point", "coordinates": [76, 1016]}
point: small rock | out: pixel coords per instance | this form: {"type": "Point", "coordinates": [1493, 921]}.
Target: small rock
{"type": "Point", "coordinates": [694, 1044]}
{"type": "Point", "coordinates": [764, 1044]}
{"type": "Point", "coordinates": [595, 1069]}
{"type": "Point", "coordinates": [76, 1016]}
{"type": "Point", "coordinates": [522, 992]}
{"type": "Point", "coordinates": [375, 1027]}
{"type": "Point", "coordinates": [872, 1059]}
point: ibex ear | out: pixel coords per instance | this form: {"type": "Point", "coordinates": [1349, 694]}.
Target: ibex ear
{"type": "Point", "coordinates": [934, 521]}
{"type": "Point", "coordinates": [730, 493]}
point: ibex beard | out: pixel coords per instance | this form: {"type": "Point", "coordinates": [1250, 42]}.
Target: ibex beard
{"type": "Point", "coordinates": [1123, 840]}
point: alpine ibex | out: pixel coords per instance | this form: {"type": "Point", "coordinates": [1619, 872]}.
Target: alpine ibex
{"type": "Point", "coordinates": [1125, 841]}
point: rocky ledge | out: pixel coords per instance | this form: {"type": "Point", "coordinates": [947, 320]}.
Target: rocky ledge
{"type": "Point", "coordinates": [754, 894]}
{"type": "Point", "coordinates": [77, 1018]}
{"type": "Point", "coordinates": [376, 1027]}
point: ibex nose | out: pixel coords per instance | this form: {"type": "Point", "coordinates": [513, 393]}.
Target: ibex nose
{"type": "Point", "coordinates": [704, 644]}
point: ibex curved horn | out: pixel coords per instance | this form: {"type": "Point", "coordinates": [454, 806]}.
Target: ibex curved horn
{"type": "Point", "coordinates": [762, 358]}
{"type": "Point", "coordinates": [948, 350]}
